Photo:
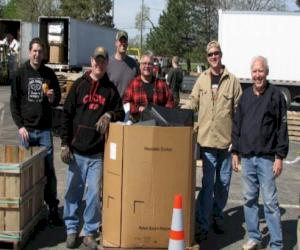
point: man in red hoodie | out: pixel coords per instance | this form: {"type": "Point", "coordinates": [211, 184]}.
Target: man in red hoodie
{"type": "Point", "coordinates": [93, 101]}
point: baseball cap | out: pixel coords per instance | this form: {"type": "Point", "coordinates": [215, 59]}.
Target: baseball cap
{"type": "Point", "coordinates": [212, 44]}
{"type": "Point", "coordinates": [120, 34]}
{"type": "Point", "coordinates": [100, 51]}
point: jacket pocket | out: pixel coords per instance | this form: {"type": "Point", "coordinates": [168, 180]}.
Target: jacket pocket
{"type": "Point", "coordinates": [227, 101]}
{"type": "Point", "coordinates": [203, 92]}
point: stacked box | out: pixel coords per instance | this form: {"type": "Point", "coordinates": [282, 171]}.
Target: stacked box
{"type": "Point", "coordinates": [56, 53]}
{"type": "Point", "coordinates": [22, 181]}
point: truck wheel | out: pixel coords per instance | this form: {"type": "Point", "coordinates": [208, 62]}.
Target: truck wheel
{"type": "Point", "coordinates": [287, 96]}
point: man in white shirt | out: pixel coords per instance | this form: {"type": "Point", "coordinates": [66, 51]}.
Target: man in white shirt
{"type": "Point", "coordinates": [13, 47]}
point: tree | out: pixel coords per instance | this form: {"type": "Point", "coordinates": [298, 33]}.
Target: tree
{"type": "Point", "coordinates": [187, 26]}
{"type": "Point", "coordinates": [266, 5]}
{"type": "Point", "coordinates": [29, 10]}
{"type": "Point", "coordinates": [140, 21]}
{"type": "Point", "coordinates": [2, 5]}
{"type": "Point", "coordinates": [10, 9]}
{"type": "Point", "coordinates": [298, 2]}
{"type": "Point", "coordinates": [101, 13]}
{"type": "Point", "coordinates": [95, 11]}
{"type": "Point", "coordinates": [177, 32]}
{"type": "Point", "coordinates": [174, 31]}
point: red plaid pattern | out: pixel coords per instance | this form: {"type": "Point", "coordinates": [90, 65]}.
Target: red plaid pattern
{"type": "Point", "coordinates": [137, 96]}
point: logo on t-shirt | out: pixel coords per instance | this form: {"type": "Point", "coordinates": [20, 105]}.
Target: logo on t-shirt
{"type": "Point", "coordinates": [35, 92]}
{"type": "Point", "coordinates": [94, 101]}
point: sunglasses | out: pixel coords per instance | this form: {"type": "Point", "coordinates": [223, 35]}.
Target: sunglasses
{"type": "Point", "coordinates": [216, 53]}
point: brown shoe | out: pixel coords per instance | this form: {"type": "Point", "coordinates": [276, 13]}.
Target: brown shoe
{"type": "Point", "coordinates": [71, 240]}
{"type": "Point", "coordinates": [90, 242]}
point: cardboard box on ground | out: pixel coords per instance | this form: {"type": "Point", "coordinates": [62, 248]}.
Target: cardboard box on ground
{"type": "Point", "coordinates": [56, 53]}
{"type": "Point", "coordinates": [144, 167]}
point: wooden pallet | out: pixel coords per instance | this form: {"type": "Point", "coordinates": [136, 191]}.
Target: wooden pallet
{"type": "Point", "coordinates": [293, 125]}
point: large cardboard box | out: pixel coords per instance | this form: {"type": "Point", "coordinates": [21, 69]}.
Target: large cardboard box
{"type": "Point", "coordinates": [56, 53]}
{"type": "Point", "coordinates": [144, 167]}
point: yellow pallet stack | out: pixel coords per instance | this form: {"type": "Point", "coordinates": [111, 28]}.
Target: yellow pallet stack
{"type": "Point", "coordinates": [294, 125]}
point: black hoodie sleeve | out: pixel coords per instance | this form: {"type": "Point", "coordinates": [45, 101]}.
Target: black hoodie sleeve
{"type": "Point", "coordinates": [282, 131]}
{"type": "Point", "coordinates": [54, 84]}
{"type": "Point", "coordinates": [116, 109]}
{"type": "Point", "coordinates": [15, 100]}
{"type": "Point", "coordinates": [69, 110]}
{"type": "Point", "coordinates": [236, 128]}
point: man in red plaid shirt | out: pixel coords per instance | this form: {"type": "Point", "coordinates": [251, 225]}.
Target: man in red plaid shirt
{"type": "Point", "coordinates": [145, 89]}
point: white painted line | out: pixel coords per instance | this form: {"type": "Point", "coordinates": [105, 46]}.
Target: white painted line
{"type": "Point", "coordinates": [239, 202]}
{"type": "Point", "coordinates": [2, 117]}
{"type": "Point", "coordinates": [293, 161]}
{"type": "Point", "coordinates": [1, 105]}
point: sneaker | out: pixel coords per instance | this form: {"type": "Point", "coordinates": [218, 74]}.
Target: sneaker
{"type": "Point", "coordinates": [252, 245]}
{"type": "Point", "coordinates": [71, 240]}
{"type": "Point", "coordinates": [218, 225]}
{"type": "Point", "coordinates": [54, 218]}
{"type": "Point", "coordinates": [90, 243]}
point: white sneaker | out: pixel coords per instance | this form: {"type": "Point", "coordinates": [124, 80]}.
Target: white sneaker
{"type": "Point", "coordinates": [252, 245]}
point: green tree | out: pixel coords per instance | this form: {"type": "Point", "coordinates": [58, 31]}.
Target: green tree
{"type": "Point", "coordinates": [10, 9]}
{"type": "Point", "coordinates": [2, 5]}
{"type": "Point", "coordinates": [100, 13]}
{"type": "Point", "coordinates": [177, 31]}
{"type": "Point", "coordinates": [187, 26]}
{"type": "Point", "coordinates": [76, 8]}
{"type": "Point", "coordinates": [29, 10]}
{"type": "Point", "coordinates": [95, 11]}
{"type": "Point", "coordinates": [169, 36]}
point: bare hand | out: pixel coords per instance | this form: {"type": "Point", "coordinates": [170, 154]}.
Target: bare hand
{"type": "Point", "coordinates": [277, 167]}
{"type": "Point", "coordinates": [235, 162]}
{"type": "Point", "coordinates": [50, 95]}
{"type": "Point", "coordinates": [24, 134]}
{"type": "Point", "coordinates": [141, 109]}
{"type": "Point", "coordinates": [66, 154]}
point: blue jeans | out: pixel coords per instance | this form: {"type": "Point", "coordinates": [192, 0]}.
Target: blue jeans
{"type": "Point", "coordinates": [83, 170]}
{"type": "Point", "coordinates": [213, 196]}
{"type": "Point", "coordinates": [257, 175]}
{"type": "Point", "coordinates": [44, 138]}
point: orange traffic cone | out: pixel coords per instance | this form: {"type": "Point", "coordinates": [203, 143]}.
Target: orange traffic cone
{"type": "Point", "coordinates": [176, 235]}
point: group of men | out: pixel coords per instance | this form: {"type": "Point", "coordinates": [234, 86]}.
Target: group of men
{"type": "Point", "coordinates": [231, 125]}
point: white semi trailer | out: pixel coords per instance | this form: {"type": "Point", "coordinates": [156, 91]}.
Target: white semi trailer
{"type": "Point", "coordinates": [74, 42]}
{"type": "Point", "coordinates": [245, 34]}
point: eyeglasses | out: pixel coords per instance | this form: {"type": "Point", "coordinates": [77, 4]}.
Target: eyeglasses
{"type": "Point", "coordinates": [147, 63]}
{"type": "Point", "coordinates": [216, 53]}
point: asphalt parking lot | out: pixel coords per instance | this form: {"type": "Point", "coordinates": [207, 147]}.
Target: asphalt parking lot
{"type": "Point", "coordinates": [288, 190]}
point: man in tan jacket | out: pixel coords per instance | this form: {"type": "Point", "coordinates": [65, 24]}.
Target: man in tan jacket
{"type": "Point", "coordinates": [215, 96]}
